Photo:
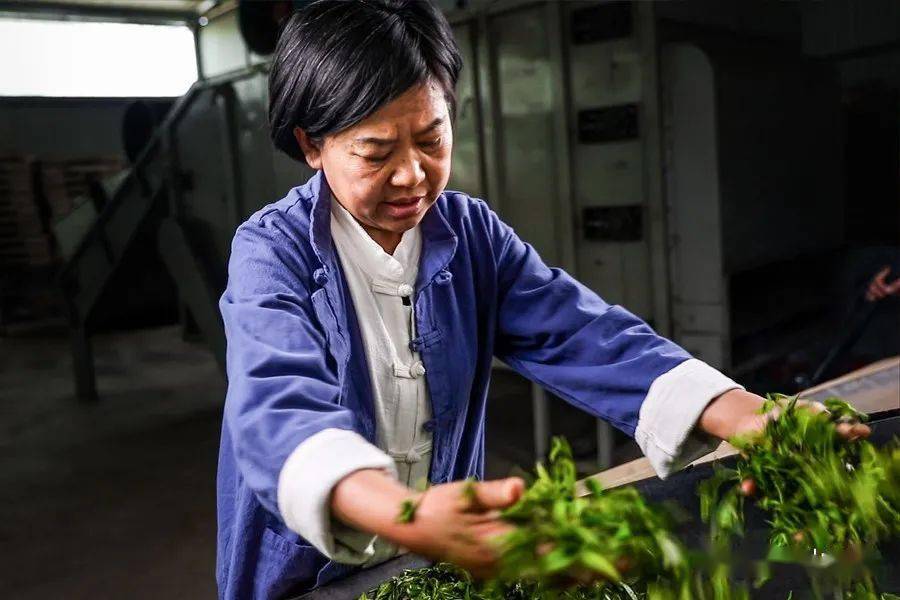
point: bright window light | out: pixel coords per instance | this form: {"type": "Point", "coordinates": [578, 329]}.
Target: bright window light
{"type": "Point", "coordinates": [92, 59]}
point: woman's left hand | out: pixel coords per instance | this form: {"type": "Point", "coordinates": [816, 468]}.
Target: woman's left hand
{"type": "Point", "coordinates": [737, 412]}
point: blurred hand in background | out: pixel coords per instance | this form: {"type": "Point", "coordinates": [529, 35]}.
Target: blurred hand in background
{"type": "Point", "coordinates": [880, 289]}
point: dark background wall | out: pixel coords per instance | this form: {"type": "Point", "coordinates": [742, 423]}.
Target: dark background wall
{"type": "Point", "coordinates": [62, 128]}
{"type": "Point", "coordinates": [73, 129]}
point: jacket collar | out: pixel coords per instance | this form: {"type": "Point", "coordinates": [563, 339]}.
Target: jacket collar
{"type": "Point", "coordinates": [320, 221]}
{"type": "Point", "coordinates": [438, 240]}
{"type": "Point", "coordinates": [438, 243]}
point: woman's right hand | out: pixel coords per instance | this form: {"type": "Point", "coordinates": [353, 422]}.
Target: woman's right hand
{"type": "Point", "coordinates": [460, 522]}
{"type": "Point", "coordinates": [454, 522]}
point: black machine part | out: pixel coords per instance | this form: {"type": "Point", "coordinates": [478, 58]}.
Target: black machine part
{"type": "Point", "coordinates": [260, 22]}
{"type": "Point", "coordinates": [139, 124]}
{"type": "Point", "coordinates": [680, 490]}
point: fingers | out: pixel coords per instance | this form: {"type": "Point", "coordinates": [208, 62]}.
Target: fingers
{"type": "Point", "coordinates": [849, 430]}
{"type": "Point", "coordinates": [493, 529]}
{"type": "Point", "coordinates": [497, 494]}
{"type": "Point", "coordinates": [878, 288]}
{"type": "Point", "coordinates": [471, 519]}
{"type": "Point", "coordinates": [893, 289]}
{"type": "Point", "coordinates": [475, 548]}
{"type": "Point", "coordinates": [811, 405]}
{"type": "Point", "coordinates": [876, 291]}
{"type": "Point", "coordinates": [853, 431]}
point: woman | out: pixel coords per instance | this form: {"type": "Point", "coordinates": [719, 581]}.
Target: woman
{"type": "Point", "coordinates": [362, 312]}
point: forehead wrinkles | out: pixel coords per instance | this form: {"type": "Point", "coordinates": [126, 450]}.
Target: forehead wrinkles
{"type": "Point", "coordinates": [381, 136]}
{"type": "Point", "coordinates": [410, 113]}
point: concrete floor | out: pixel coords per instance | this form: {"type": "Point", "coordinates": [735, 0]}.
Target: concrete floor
{"type": "Point", "coordinates": [117, 499]}
{"type": "Point", "coordinates": [114, 499]}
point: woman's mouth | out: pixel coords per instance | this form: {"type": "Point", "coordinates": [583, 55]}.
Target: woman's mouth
{"type": "Point", "coordinates": [403, 208]}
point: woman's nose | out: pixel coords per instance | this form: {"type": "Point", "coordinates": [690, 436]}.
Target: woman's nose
{"type": "Point", "coordinates": [408, 173]}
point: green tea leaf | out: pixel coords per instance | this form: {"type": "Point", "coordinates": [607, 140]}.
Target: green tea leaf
{"type": "Point", "coordinates": [597, 562]}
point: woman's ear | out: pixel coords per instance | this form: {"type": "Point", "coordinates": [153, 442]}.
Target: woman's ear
{"type": "Point", "coordinates": [311, 149]}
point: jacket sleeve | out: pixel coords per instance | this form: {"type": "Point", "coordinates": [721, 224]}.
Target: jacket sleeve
{"type": "Point", "coordinates": [283, 390]}
{"type": "Point", "coordinates": [599, 357]}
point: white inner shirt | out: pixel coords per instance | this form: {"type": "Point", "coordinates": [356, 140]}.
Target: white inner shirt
{"type": "Point", "coordinates": [381, 286]}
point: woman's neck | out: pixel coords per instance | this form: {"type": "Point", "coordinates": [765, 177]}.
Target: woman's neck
{"type": "Point", "coordinates": [388, 240]}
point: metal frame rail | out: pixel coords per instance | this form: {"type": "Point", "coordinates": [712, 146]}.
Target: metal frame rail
{"type": "Point", "coordinates": [155, 176]}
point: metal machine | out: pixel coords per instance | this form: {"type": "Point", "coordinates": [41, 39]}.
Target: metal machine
{"type": "Point", "coordinates": [753, 180]}
{"type": "Point", "coordinates": [207, 167]}
{"type": "Point", "coordinates": [619, 146]}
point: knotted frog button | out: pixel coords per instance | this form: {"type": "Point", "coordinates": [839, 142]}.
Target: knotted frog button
{"type": "Point", "coordinates": [320, 276]}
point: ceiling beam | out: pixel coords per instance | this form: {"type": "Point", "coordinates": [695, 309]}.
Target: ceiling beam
{"type": "Point", "coordinates": [92, 12]}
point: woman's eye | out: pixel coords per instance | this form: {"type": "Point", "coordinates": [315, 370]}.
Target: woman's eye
{"type": "Point", "coordinates": [375, 159]}
{"type": "Point", "coordinates": [432, 143]}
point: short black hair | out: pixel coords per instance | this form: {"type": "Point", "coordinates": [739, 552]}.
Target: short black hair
{"type": "Point", "coordinates": [339, 61]}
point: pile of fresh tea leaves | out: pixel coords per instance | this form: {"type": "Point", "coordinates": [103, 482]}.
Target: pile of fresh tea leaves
{"type": "Point", "coordinates": [613, 536]}
{"type": "Point", "coordinates": [825, 499]}
{"type": "Point", "coordinates": [446, 582]}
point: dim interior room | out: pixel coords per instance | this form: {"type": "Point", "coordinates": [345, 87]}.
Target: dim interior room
{"type": "Point", "coordinates": [727, 171]}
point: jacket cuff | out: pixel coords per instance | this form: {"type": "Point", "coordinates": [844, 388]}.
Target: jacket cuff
{"type": "Point", "coordinates": [670, 411]}
{"type": "Point", "coordinates": [304, 490]}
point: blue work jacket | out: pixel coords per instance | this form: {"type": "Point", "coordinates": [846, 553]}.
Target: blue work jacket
{"type": "Point", "coordinates": [296, 362]}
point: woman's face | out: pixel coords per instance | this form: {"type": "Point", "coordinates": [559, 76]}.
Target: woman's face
{"type": "Point", "coordinates": [389, 169]}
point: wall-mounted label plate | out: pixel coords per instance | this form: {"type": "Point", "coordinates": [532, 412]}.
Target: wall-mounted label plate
{"type": "Point", "coordinates": [613, 223]}
{"type": "Point", "coordinates": [611, 124]}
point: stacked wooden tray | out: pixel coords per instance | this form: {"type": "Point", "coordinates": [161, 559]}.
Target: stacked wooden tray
{"type": "Point", "coordinates": [65, 183]}
{"type": "Point", "coordinates": [33, 195]}
{"type": "Point", "coordinates": [24, 241]}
